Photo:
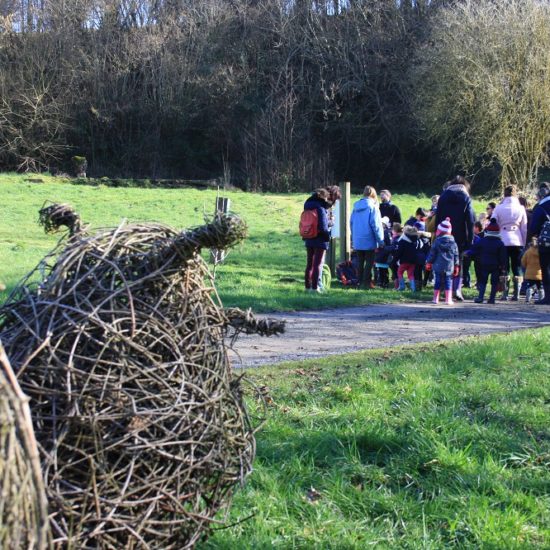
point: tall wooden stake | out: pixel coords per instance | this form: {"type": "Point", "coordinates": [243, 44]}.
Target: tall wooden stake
{"type": "Point", "coordinates": [345, 213]}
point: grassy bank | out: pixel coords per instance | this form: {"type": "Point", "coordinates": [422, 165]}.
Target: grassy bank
{"type": "Point", "coordinates": [265, 272]}
{"type": "Point", "coordinates": [440, 446]}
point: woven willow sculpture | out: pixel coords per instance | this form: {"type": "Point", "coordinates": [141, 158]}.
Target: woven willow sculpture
{"type": "Point", "coordinates": [23, 508]}
{"type": "Point", "coordinates": [141, 424]}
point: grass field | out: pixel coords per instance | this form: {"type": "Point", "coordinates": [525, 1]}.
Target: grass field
{"type": "Point", "coordinates": [266, 272]}
{"type": "Point", "coordinates": [440, 446]}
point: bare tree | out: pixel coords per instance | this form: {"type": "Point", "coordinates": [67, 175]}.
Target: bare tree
{"type": "Point", "coordinates": [482, 85]}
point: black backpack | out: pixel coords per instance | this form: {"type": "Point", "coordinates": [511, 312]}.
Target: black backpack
{"type": "Point", "coordinates": [544, 234]}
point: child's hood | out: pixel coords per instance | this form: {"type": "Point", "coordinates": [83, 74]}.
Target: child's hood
{"type": "Point", "coordinates": [446, 242]}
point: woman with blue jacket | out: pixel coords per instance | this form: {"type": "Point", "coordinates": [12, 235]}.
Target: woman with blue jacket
{"type": "Point", "coordinates": [367, 233]}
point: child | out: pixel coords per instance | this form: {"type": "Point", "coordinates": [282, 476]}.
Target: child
{"type": "Point", "coordinates": [443, 260]}
{"type": "Point", "coordinates": [492, 256]}
{"type": "Point", "coordinates": [533, 272]}
{"type": "Point", "coordinates": [396, 233]}
{"type": "Point", "coordinates": [406, 254]}
{"type": "Point", "coordinates": [382, 256]}
{"type": "Point", "coordinates": [467, 262]}
{"type": "Point", "coordinates": [424, 245]}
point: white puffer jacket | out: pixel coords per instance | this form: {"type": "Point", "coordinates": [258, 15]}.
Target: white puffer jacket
{"type": "Point", "coordinates": [512, 219]}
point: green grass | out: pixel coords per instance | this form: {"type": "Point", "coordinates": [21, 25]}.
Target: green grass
{"type": "Point", "coordinates": [440, 446]}
{"type": "Point", "coordinates": [256, 273]}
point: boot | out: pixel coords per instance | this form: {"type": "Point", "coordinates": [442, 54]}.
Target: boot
{"type": "Point", "coordinates": [546, 300]}
{"type": "Point", "coordinates": [505, 288]}
{"type": "Point", "coordinates": [493, 295]}
{"type": "Point", "coordinates": [528, 293]}
{"type": "Point", "coordinates": [418, 284]}
{"type": "Point", "coordinates": [436, 296]}
{"type": "Point", "coordinates": [523, 288]}
{"type": "Point", "coordinates": [457, 286]}
{"type": "Point", "coordinates": [517, 283]}
{"type": "Point", "coordinates": [449, 297]}
{"type": "Point", "coordinates": [412, 284]}
{"type": "Point", "coordinates": [479, 298]}
{"type": "Point", "coordinates": [401, 284]}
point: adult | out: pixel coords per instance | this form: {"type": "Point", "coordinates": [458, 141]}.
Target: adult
{"type": "Point", "coordinates": [541, 214]}
{"type": "Point", "coordinates": [455, 203]}
{"type": "Point", "coordinates": [512, 219]}
{"type": "Point", "coordinates": [317, 246]}
{"type": "Point", "coordinates": [334, 194]}
{"type": "Point", "coordinates": [367, 234]}
{"type": "Point", "coordinates": [388, 209]}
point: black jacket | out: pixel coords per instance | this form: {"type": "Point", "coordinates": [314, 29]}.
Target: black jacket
{"type": "Point", "coordinates": [391, 211]}
{"type": "Point", "coordinates": [456, 204]}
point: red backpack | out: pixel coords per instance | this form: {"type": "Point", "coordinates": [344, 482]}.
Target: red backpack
{"type": "Point", "coordinates": [309, 224]}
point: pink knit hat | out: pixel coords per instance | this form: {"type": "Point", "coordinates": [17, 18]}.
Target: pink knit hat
{"type": "Point", "coordinates": [445, 227]}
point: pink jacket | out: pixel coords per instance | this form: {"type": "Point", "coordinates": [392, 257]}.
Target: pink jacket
{"type": "Point", "coordinates": [512, 218]}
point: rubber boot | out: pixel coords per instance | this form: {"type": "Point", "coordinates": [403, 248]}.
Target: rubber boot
{"type": "Point", "coordinates": [412, 284]}
{"type": "Point", "coordinates": [505, 288]}
{"type": "Point", "coordinates": [493, 295]}
{"type": "Point", "coordinates": [528, 293]}
{"type": "Point", "coordinates": [457, 287]}
{"type": "Point", "coordinates": [545, 301]}
{"type": "Point", "coordinates": [401, 284]}
{"type": "Point", "coordinates": [517, 283]}
{"type": "Point", "coordinates": [479, 298]}
{"type": "Point", "coordinates": [449, 297]}
{"type": "Point", "coordinates": [436, 296]}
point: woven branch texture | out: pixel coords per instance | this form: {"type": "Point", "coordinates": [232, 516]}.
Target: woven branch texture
{"type": "Point", "coordinates": [23, 506]}
{"type": "Point", "coordinates": [120, 344]}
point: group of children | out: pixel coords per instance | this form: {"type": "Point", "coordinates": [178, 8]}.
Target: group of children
{"type": "Point", "coordinates": [412, 251]}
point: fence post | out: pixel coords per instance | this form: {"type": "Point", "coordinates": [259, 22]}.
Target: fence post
{"type": "Point", "coordinates": [345, 212]}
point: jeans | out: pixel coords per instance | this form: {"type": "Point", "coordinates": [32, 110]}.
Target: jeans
{"type": "Point", "coordinates": [443, 279]}
{"type": "Point", "coordinates": [314, 259]}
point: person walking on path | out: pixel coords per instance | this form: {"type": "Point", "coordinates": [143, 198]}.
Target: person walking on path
{"type": "Point", "coordinates": [512, 219]}
{"type": "Point", "coordinates": [367, 234]}
{"type": "Point", "coordinates": [388, 209]}
{"type": "Point", "coordinates": [317, 245]}
{"type": "Point", "coordinates": [443, 261]}
{"type": "Point", "coordinates": [538, 228]}
{"type": "Point", "coordinates": [455, 203]}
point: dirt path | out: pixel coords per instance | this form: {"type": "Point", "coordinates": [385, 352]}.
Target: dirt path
{"type": "Point", "coordinates": [320, 333]}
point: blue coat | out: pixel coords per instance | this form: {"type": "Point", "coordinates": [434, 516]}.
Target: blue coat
{"type": "Point", "coordinates": [323, 234]}
{"type": "Point", "coordinates": [456, 204]}
{"type": "Point", "coordinates": [490, 252]}
{"type": "Point", "coordinates": [367, 232]}
{"type": "Point", "coordinates": [443, 255]}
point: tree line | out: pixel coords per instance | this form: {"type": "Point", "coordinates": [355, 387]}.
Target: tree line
{"type": "Point", "coordinates": [278, 94]}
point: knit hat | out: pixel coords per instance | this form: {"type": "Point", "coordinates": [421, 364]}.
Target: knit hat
{"type": "Point", "coordinates": [386, 221]}
{"type": "Point", "coordinates": [492, 229]}
{"type": "Point", "coordinates": [445, 227]}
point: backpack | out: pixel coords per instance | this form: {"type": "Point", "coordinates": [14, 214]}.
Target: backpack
{"type": "Point", "coordinates": [544, 235]}
{"type": "Point", "coordinates": [309, 224]}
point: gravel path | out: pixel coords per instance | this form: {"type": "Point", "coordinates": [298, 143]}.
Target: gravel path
{"type": "Point", "coordinates": [313, 334]}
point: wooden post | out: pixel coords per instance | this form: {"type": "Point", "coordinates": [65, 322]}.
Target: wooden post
{"type": "Point", "coordinates": [331, 256]}
{"type": "Point", "coordinates": [345, 213]}
{"type": "Point", "coordinates": [222, 206]}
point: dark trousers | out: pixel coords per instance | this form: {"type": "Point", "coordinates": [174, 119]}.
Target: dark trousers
{"type": "Point", "coordinates": [314, 260]}
{"type": "Point", "coordinates": [466, 263]}
{"type": "Point", "coordinates": [514, 259]}
{"type": "Point", "coordinates": [485, 274]}
{"type": "Point", "coordinates": [544, 254]}
{"type": "Point", "coordinates": [365, 261]}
